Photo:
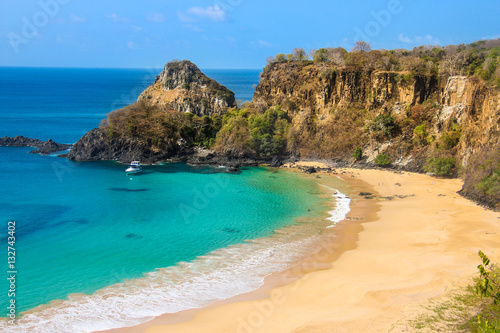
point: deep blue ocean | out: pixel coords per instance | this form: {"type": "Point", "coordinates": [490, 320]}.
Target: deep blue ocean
{"type": "Point", "coordinates": [97, 249]}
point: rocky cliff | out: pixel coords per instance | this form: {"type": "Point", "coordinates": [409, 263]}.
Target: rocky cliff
{"type": "Point", "coordinates": [185, 88]}
{"type": "Point", "coordinates": [421, 122]}
{"type": "Point", "coordinates": [446, 125]}
{"type": "Point", "coordinates": [442, 102]}
{"type": "Point", "coordinates": [325, 86]}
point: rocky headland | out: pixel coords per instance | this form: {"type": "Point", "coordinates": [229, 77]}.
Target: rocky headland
{"type": "Point", "coordinates": [372, 109]}
{"type": "Point", "coordinates": [43, 147]}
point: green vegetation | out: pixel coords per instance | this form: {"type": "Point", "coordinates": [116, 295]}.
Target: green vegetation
{"type": "Point", "coordinates": [337, 133]}
{"type": "Point", "coordinates": [488, 286]}
{"type": "Point", "coordinates": [262, 135]}
{"type": "Point", "coordinates": [408, 77]}
{"type": "Point", "coordinates": [420, 135]}
{"type": "Point", "coordinates": [358, 154]}
{"type": "Point", "coordinates": [488, 283]}
{"type": "Point", "coordinates": [482, 177]}
{"type": "Point", "coordinates": [440, 166]}
{"type": "Point", "coordinates": [161, 128]}
{"type": "Point", "coordinates": [299, 54]}
{"type": "Point", "coordinates": [383, 125]}
{"type": "Point", "coordinates": [320, 55]}
{"type": "Point", "coordinates": [473, 309]}
{"type": "Point", "coordinates": [490, 185]}
{"type": "Point", "coordinates": [383, 160]}
{"type": "Point", "coordinates": [450, 139]}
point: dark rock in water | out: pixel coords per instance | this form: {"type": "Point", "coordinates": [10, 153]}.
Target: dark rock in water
{"type": "Point", "coordinates": [120, 189]}
{"type": "Point", "coordinates": [364, 194]}
{"type": "Point", "coordinates": [44, 147]}
{"type": "Point", "coordinates": [133, 236]}
{"type": "Point", "coordinates": [310, 170]}
{"type": "Point", "coordinates": [233, 166]}
{"type": "Point", "coordinates": [96, 145]}
{"type": "Point", "coordinates": [230, 230]}
{"type": "Point", "coordinates": [230, 164]}
{"type": "Point", "coordinates": [276, 162]}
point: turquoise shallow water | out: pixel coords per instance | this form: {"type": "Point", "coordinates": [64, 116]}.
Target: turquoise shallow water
{"type": "Point", "coordinates": [89, 225]}
{"type": "Point", "coordinates": [97, 249]}
{"type": "Point", "coordinates": [84, 226]}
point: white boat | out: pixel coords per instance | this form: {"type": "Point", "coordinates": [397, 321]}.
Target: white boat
{"type": "Point", "coordinates": [134, 167]}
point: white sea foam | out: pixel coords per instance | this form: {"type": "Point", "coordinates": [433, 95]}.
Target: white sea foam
{"type": "Point", "coordinates": [222, 274]}
{"type": "Point", "coordinates": [342, 207]}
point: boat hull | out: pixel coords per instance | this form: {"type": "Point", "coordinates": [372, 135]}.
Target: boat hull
{"type": "Point", "coordinates": [133, 170]}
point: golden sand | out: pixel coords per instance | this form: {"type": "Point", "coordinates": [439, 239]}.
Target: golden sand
{"type": "Point", "coordinates": [392, 254]}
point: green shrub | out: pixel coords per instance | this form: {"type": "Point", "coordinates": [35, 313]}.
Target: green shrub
{"type": "Point", "coordinates": [382, 160]}
{"type": "Point", "coordinates": [383, 124]}
{"type": "Point", "coordinates": [261, 134]}
{"type": "Point", "coordinates": [320, 55]}
{"type": "Point", "coordinates": [280, 58]}
{"type": "Point", "coordinates": [408, 77]}
{"type": "Point", "coordinates": [358, 154]}
{"type": "Point", "coordinates": [420, 135]}
{"type": "Point", "coordinates": [488, 287]}
{"type": "Point", "coordinates": [441, 167]}
{"type": "Point", "coordinates": [490, 185]}
{"type": "Point", "coordinates": [450, 139]}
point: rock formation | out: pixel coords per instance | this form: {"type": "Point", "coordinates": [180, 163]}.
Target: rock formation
{"type": "Point", "coordinates": [181, 87]}
{"type": "Point", "coordinates": [318, 110]}
{"type": "Point", "coordinates": [186, 89]}
{"type": "Point", "coordinates": [324, 89]}
{"type": "Point", "coordinates": [325, 86]}
{"type": "Point", "coordinates": [96, 145]}
{"type": "Point", "coordinates": [44, 147]}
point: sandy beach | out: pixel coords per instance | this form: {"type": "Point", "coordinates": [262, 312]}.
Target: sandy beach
{"type": "Point", "coordinates": [413, 240]}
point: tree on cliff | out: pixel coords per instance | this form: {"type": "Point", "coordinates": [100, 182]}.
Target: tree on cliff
{"type": "Point", "coordinates": [299, 54]}
{"type": "Point", "coordinates": [452, 64]}
{"type": "Point", "coordinates": [320, 55]}
{"type": "Point", "coordinates": [361, 46]}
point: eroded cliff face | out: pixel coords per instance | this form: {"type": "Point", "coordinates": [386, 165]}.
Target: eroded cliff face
{"type": "Point", "coordinates": [324, 86]}
{"type": "Point", "coordinates": [324, 93]}
{"type": "Point", "coordinates": [475, 108]}
{"type": "Point", "coordinates": [333, 110]}
{"type": "Point", "coordinates": [185, 88]}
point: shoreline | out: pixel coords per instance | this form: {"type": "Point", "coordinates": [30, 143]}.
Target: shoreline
{"type": "Point", "coordinates": [417, 247]}
{"type": "Point", "coordinates": [336, 239]}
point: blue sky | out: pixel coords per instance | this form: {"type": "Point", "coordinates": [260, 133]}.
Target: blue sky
{"type": "Point", "coordinates": [225, 33]}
